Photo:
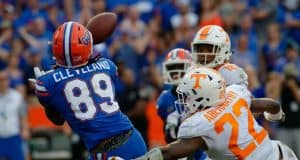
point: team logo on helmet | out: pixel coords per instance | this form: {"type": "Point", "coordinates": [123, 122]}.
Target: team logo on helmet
{"type": "Point", "coordinates": [86, 39]}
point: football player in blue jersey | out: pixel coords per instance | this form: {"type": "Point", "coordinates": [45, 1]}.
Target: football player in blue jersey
{"type": "Point", "coordinates": [81, 92]}
{"type": "Point", "coordinates": [174, 67]}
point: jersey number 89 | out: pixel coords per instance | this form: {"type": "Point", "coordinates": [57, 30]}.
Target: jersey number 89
{"type": "Point", "coordinates": [78, 95]}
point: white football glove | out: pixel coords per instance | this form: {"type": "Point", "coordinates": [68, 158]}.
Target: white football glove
{"type": "Point", "coordinates": [172, 123]}
{"type": "Point", "coordinates": [153, 154]}
{"type": "Point", "coordinates": [275, 117]}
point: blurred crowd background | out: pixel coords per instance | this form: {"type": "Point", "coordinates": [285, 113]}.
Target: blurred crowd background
{"type": "Point", "coordinates": [265, 38]}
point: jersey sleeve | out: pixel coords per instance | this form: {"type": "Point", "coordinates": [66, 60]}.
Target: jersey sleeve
{"type": "Point", "coordinates": [194, 126]}
{"type": "Point", "coordinates": [44, 96]}
{"type": "Point", "coordinates": [42, 92]}
{"type": "Point", "coordinates": [233, 74]}
{"type": "Point", "coordinates": [163, 109]}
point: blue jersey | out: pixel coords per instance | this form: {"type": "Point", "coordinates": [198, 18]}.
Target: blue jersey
{"type": "Point", "coordinates": [165, 103]}
{"type": "Point", "coordinates": [85, 97]}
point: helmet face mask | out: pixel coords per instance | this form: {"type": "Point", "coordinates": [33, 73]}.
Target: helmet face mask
{"type": "Point", "coordinates": [175, 71]}
{"type": "Point", "coordinates": [210, 46]}
{"type": "Point", "coordinates": [200, 88]}
{"type": "Point", "coordinates": [205, 54]}
{"type": "Point", "coordinates": [175, 66]}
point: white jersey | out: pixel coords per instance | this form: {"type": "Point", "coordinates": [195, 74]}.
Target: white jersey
{"type": "Point", "coordinates": [230, 128]}
{"type": "Point", "coordinates": [233, 74]}
{"type": "Point", "coordinates": [11, 109]}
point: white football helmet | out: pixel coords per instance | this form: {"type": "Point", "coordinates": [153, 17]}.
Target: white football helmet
{"type": "Point", "coordinates": [200, 88]}
{"type": "Point", "coordinates": [175, 65]}
{"type": "Point", "coordinates": [211, 46]}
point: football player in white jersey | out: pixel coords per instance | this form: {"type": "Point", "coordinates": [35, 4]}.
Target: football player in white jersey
{"type": "Point", "coordinates": [220, 121]}
{"type": "Point", "coordinates": [211, 47]}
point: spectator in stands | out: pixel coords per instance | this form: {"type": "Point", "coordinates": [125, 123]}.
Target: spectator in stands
{"type": "Point", "coordinates": [132, 103]}
{"type": "Point", "coordinates": [8, 16]}
{"type": "Point", "coordinates": [271, 51]}
{"type": "Point", "coordinates": [243, 56]}
{"type": "Point", "coordinates": [263, 13]}
{"type": "Point", "coordinates": [166, 10]}
{"type": "Point", "coordinates": [54, 16]}
{"type": "Point", "coordinates": [290, 99]}
{"type": "Point", "coordinates": [184, 17]}
{"type": "Point", "coordinates": [85, 12]}
{"type": "Point", "coordinates": [36, 36]}
{"type": "Point", "coordinates": [31, 11]}
{"type": "Point", "coordinates": [209, 13]}
{"type": "Point", "coordinates": [289, 17]}
{"type": "Point", "coordinates": [184, 24]}
{"type": "Point", "coordinates": [6, 30]}
{"type": "Point", "coordinates": [122, 48]}
{"type": "Point", "coordinates": [119, 6]}
{"type": "Point", "coordinates": [15, 74]}
{"type": "Point", "coordinates": [5, 43]}
{"type": "Point", "coordinates": [229, 16]}
{"type": "Point", "coordinates": [132, 24]}
{"type": "Point", "coordinates": [13, 121]}
{"type": "Point", "coordinates": [18, 49]}
{"type": "Point", "coordinates": [246, 27]}
{"type": "Point", "coordinates": [291, 57]}
{"type": "Point", "coordinates": [131, 42]}
{"type": "Point", "coordinates": [98, 6]}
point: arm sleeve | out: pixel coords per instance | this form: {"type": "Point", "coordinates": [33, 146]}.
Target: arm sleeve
{"type": "Point", "coordinates": [194, 126]}
{"type": "Point", "coordinates": [163, 110]}
{"type": "Point", "coordinates": [234, 74]}
{"type": "Point", "coordinates": [44, 98]}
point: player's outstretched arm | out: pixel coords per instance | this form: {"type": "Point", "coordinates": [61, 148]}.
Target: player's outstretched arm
{"type": "Point", "coordinates": [53, 115]}
{"type": "Point", "coordinates": [270, 108]}
{"type": "Point", "coordinates": [178, 149]}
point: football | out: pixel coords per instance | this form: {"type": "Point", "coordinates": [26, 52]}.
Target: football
{"type": "Point", "coordinates": [102, 26]}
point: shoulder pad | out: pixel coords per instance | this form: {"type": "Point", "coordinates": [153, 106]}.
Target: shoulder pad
{"type": "Point", "coordinates": [233, 74]}
{"type": "Point", "coordinates": [194, 126]}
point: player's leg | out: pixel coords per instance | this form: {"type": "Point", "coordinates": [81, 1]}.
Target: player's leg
{"type": "Point", "coordinates": [134, 147]}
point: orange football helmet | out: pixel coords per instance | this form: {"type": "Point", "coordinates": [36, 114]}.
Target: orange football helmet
{"type": "Point", "coordinates": [72, 45]}
{"type": "Point", "coordinates": [175, 65]}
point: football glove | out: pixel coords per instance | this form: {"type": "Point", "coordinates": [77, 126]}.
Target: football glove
{"type": "Point", "coordinates": [153, 154]}
{"type": "Point", "coordinates": [280, 116]}
{"type": "Point", "coordinates": [172, 123]}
